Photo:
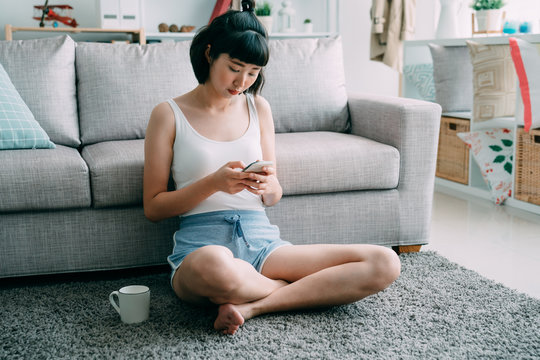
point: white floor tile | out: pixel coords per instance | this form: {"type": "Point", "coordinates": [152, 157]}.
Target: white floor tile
{"type": "Point", "coordinates": [499, 242]}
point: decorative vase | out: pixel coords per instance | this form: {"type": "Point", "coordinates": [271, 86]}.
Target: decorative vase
{"type": "Point", "coordinates": [267, 22]}
{"type": "Point", "coordinates": [287, 17]}
{"type": "Point", "coordinates": [447, 26]}
{"type": "Point", "coordinates": [308, 27]}
{"type": "Point", "coordinates": [489, 20]}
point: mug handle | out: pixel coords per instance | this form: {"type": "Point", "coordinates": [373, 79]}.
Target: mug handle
{"type": "Point", "coordinates": [113, 303]}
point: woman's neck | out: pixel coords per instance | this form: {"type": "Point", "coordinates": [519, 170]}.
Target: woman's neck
{"type": "Point", "coordinates": [209, 100]}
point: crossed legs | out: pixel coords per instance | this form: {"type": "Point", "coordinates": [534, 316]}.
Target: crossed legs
{"type": "Point", "coordinates": [293, 277]}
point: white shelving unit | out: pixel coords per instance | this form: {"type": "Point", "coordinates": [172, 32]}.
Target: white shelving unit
{"type": "Point", "coordinates": [137, 35]}
{"type": "Point", "coordinates": [163, 37]}
{"type": "Point", "coordinates": [324, 13]}
{"type": "Point", "coordinates": [417, 52]}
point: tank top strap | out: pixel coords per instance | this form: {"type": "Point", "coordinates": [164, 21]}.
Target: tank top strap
{"type": "Point", "coordinates": [252, 109]}
{"type": "Point", "coordinates": [181, 123]}
{"type": "Point", "coordinates": [178, 114]}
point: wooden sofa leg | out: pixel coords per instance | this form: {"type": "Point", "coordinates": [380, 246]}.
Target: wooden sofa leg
{"type": "Point", "coordinates": [406, 249]}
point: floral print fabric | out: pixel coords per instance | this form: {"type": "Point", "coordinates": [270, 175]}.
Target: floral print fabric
{"type": "Point", "coordinates": [493, 151]}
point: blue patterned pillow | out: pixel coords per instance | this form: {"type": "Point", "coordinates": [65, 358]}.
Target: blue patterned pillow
{"type": "Point", "coordinates": [18, 127]}
{"type": "Point", "coordinates": [421, 75]}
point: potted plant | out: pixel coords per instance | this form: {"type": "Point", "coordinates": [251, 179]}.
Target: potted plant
{"type": "Point", "coordinates": [264, 14]}
{"type": "Point", "coordinates": [488, 15]}
{"type": "Point", "coordinates": [308, 26]}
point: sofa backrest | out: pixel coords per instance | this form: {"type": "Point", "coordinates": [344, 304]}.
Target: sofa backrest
{"type": "Point", "coordinates": [119, 85]}
{"type": "Point", "coordinates": [93, 92]}
{"type": "Point", "coordinates": [43, 72]}
{"type": "Point", "coordinates": [305, 85]}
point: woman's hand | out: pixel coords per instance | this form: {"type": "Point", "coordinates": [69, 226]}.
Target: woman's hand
{"type": "Point", "coordinates": [268, 186]}
{"type": "Point", "coordinates": [230, 179]}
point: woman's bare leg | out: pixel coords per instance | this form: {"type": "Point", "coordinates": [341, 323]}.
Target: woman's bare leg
{"type": "Point", "coordinates": [320, 275]}
{"type": "Point", "coordinates": [212, 274]}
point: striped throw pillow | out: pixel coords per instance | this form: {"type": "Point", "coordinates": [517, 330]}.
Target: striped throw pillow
{"type": "Point", "coordinates": [494, 82]}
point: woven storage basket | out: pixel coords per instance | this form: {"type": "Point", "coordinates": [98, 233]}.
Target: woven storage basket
{"type": "Point", "coordinates": [453, 154]}
{"type": "Point", "coordinates": [527, 182]}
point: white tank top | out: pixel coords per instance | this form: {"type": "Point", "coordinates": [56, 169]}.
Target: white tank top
{"type": "Point", "coordinates": [195, 156]}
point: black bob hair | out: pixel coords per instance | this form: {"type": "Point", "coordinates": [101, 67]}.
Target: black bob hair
{"type": "Point", "coordinates": [236, 33]}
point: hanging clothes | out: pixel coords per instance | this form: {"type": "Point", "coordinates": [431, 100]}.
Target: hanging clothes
{"type": "Point", "coordinates": [392, 22]}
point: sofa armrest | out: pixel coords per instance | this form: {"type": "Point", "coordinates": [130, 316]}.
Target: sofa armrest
{"type": "Point", "coordinates": [411, 126]}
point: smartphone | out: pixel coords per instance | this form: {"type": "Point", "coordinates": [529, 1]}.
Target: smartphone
{"type": "Point", "coordinates": [257, 166]}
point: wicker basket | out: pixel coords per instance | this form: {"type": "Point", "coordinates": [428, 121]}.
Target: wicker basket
{"type": "Point", "coordinates": [453, 154]}
{"type": "Point", "coordinates": [527, 182]}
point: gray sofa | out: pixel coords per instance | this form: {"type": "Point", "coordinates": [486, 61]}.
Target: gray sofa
{"type": "Point", "coordinates": [354, 168]}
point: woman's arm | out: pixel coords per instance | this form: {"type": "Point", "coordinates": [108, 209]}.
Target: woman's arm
{"type": "Point", "coordinates": [272, 191]}
{"type": "Point", "coordinates": [161, 204]}
{"type": "Point", "coordinates": [158, 203]}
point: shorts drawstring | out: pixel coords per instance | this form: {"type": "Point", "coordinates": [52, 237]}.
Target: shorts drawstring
{"type": "Point", "coordinates": [238, 232]}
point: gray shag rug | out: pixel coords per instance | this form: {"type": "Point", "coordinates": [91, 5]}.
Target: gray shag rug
{"type": "Point", "coordinates": [436, 309]}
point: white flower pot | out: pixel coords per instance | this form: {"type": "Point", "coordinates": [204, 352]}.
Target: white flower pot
{"type": "Point", "coordinates": [489, 20]}
{"type": "Point", "coordinates": [308, 27]}
{"type": "Point", "coordinates": [267, 22]}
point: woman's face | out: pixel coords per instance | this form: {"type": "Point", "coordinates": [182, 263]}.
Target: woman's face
{"type": "Point", "coordinates": [231, 76]}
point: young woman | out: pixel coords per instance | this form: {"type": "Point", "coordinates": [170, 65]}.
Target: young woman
{"type": "Point", "coordinates": [226, 251]}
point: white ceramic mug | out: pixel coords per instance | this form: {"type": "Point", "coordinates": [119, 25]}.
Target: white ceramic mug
{"type": "Point", "coordinates": [133, 303]}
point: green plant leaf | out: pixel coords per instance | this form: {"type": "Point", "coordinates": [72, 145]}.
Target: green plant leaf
{"type": "Point", "coordinates": [487, 4]}
{"type": "Point", "coordinates": [496, 148]}
{"type": "Point", "coordinates": [507, 142]}
{"type": "Point", "coordinates": [499, 159]}
{"type": "Point", "coordinates": [264, 9]}
{"type": "Point", "coordinates": [508, 167]}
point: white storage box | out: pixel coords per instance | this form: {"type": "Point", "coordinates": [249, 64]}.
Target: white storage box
{"type": "Point", "coordinates": [119, 14]}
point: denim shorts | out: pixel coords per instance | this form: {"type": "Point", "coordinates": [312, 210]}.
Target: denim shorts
{"type": "Point", "coordinates": [247, 233]}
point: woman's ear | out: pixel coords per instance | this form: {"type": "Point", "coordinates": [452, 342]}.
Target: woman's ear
{"type": "Point", "coordinates": [207, 54]}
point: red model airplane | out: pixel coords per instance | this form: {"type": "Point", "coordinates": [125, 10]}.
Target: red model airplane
{"type": "Point", "coordinates": [51, 13]}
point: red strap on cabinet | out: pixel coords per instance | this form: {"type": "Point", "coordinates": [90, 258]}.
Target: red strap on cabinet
{"type": "Point", "coordinates": [523, 82]}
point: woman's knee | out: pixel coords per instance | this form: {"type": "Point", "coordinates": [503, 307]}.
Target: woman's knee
{"type": "Point", "coordinates": [386, 268]}
{"type": "Point", "coordinates": [212, 267]}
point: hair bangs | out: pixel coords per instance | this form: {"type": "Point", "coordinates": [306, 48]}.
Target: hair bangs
{"type": "Point", "coordinates": [249, 47]}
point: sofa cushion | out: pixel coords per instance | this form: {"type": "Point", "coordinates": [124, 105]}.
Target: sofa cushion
{"type": "Point", "coordinates": [119, 85]}
{"type": "Point", "coordinates": [308, 163]}
{"type": "Point", "coordinates": [421, 76]}
{"type": "Point", "coordinates": [18, 127]}
{"type": "Point", "coordinates": [43, 72]}
{"type": "Point", "coordinates": [116, 172]}
{"type": "Point", "coordinates": [321, 162]}
{"type": "Point", "coordinates": [43, 179]}
{"type": "Point", "coordinates": [305, 84]}
{"type": "Point", "coordinates": [453, 74]}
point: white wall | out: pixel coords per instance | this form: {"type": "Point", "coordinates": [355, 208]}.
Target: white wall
{"type": "Point", "coordinates": [362, 74]}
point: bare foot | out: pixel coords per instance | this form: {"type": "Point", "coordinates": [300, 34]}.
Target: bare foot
{"type": "Point", "coordinates": [229, 319]}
